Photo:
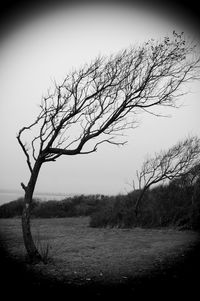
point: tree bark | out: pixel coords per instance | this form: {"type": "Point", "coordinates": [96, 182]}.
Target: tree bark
{"type": "Point", "coordinates": [139, 199]}
{"type": "Point", "coordinates": [32, 252]}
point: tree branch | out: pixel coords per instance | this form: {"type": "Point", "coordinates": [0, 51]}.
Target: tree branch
{"type": "Point", "coordinates": [104, 97]}
{"type": "Point", "coordinates": [25, 152]}
{"type": "Point", "coordinates": [169, 165]}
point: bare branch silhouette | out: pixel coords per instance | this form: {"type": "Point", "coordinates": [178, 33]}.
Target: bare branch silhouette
{"type": "Point", "coordinates": [172, 164]}
{"type": "Point", "coordinates": [99, 102]}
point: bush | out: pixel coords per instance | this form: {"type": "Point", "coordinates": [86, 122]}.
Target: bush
{"type": "Point", "coordinates": [114, 212]}
{"type": "Point", "coordinates": [163, 206]}
{"type": "Point", "coordinates": [48, 209]}
{"type": "Point", "coordinates": [75, 206]}
{"type": "Point", "coordinates": [14, 208]}
{"type": "Point", "coordinates": [172, 205]}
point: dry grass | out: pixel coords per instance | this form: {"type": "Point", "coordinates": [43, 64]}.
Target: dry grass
{"type": "Point", "coordinates": [80, 253]}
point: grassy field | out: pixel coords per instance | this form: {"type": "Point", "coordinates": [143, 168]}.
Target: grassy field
{"type": "Point", "coordinates": [80, 254]}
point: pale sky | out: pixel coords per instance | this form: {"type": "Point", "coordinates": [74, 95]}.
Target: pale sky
{"type": "Point", "coordinates": [44, 48]}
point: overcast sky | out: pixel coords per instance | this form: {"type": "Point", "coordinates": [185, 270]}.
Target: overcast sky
{"type": "Point", "coordinates": [44, 47]}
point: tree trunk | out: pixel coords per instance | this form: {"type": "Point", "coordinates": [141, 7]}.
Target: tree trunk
{"type": "Point", "coordinates": [32, 252]}
{"type": "Point", "coordinates": [139, 199]}
{"type": "Point", "coordinates": [138, 202]}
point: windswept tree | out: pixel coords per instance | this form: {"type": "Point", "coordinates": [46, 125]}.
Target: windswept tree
{"type": "Point", "coordinates": [181, 161]}
{"type": "Point", "coordinates": [95, 104]}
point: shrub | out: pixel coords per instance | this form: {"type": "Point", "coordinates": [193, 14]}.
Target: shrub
{"type": "Point", "coordinates": [74, 206]}
{"type": "Point", "coordinates": [163, 206]}
{"type": "Point", "coordinates": [14, 208]}
{"type": "Point", "coordinates": [114, 212]}
{"type": "Point", "coordinates": [48, 209]}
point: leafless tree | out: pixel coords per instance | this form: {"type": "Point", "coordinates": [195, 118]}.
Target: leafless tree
{"type": "Point", "coordinates": [95, 104]}
{"type": "Point", "coordinates": [178, 161]}
{"type": "Point", "coordinates": [189, 178]}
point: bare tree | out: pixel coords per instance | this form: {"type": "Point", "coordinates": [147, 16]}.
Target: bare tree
{"type": "Point", "coordinates": [189, 178]}
{"type": "Point", "coordinates": [178, 161]}
{"type": "Point", "coordinates": [95, 104]}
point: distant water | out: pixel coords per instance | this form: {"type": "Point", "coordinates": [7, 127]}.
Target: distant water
{"type": "Point", "coordinates": [11, 195]}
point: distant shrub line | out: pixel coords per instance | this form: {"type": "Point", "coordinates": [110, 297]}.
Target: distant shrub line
{"type": "Point", "coordinates": [163, 206]}
{"type": "Point", "coordinates": [172, 205]}
{"type": "Point", "coordinates": [80, 205]}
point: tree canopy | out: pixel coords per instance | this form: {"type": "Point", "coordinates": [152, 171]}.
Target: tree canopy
{"type": "Point", "coordinates": [102, 99]}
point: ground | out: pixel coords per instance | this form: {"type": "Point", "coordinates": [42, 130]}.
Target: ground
{"type": "Point", "coordinates": [99, 260]}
